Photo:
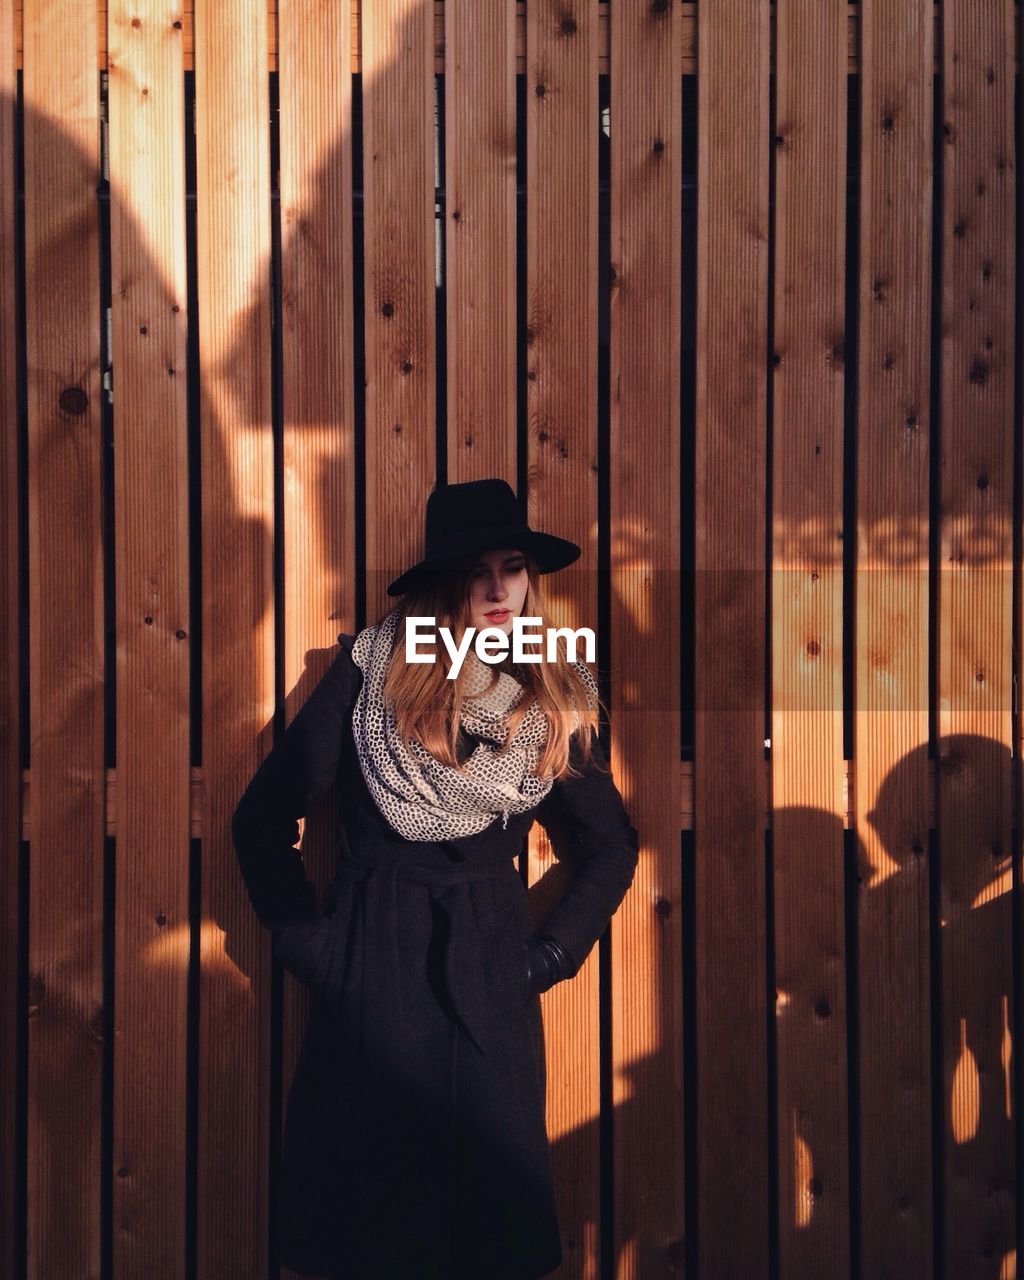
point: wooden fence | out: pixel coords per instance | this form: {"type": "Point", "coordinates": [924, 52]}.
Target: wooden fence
{"type": "Point", "coordinates": [732, 294]}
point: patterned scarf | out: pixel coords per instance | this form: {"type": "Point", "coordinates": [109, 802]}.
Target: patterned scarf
{"type": "Point", "coordinates": [421, 797]}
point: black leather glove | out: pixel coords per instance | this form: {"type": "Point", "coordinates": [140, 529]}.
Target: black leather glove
{"type": "Point", "coordinates": [548, 963]}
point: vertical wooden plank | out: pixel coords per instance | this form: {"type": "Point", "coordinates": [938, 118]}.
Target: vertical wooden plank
{"type": "Point", "coordinates": [891, 675]}
{"type": "Point", "coordinates": [480, 238]}
{"type": "Point", "coordinates": [561, 403]}
{"type": "Point", "coordinates": [315, 97]}
{"type": "Point", "coordinates": [65, 1043]}
{"type": "Point", "coordinates": [148, 301]}
{"type": "Point", "coordinates": [10, 721]}
{"type": "Point", "coordinates": [1018, 636]}
{"type": "Point", "coordinates": [808, 805]}
{"type": "Point", "coordinates": [645, 122]}
{"type": "Point", "coordinates": [398, 253]}
{"type": "Point", "coordinates": [974, 632]}
{"type": "Point", "coordinates": [233, 246]}
{"type": "Point", "coordinates": [316, 322]}
{"type": "Point", "coordinates": [732, 279]}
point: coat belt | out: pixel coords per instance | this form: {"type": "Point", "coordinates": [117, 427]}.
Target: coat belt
{"type": "Point", "coordinates": [465, 959]}
{"type": "Point", "coordinates": [388, 1082]}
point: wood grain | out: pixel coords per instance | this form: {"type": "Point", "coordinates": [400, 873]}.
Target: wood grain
{"type": "Point", "coordinates": [561, 461]}
{"type": "Point", "coordinates": [808, 890]}
{"type": "Point", "coordinates": [975, 582]}
{"type": "Point", "coordinates": [909, 841]}
{"type": "Point", "coordinates": [399, 255]}
{"type": "Point", "coordinates": [233, 275]}
{"type": "Point", "coordinates": [645, 124]}
{"type": "Point", "coordinates": [686, 9]}
{"type": "Point", "coordinates": [66, 662]}
{"type": "Point", "coordinates": [731, 947]}
{"type": "Point", "coordinates": [10, 659]}
{"type": "Point", "coordinates": [154, 632]}
{"type": "Point", "coordinates": [891, 639]}
{"type": "Point", "coordinates": [480, 239]}
{"type": "Point", "coordinates": [317, 376]}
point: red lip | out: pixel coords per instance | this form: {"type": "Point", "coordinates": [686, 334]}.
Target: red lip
{"type": "Point", "coordinates": [498, 613]}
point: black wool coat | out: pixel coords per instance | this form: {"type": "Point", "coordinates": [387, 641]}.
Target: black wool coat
{"type": "Point", "coordinates": [415, 1141]}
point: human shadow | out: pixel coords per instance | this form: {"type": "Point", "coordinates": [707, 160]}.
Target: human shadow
{"type": "Point", "coordinates": [972, 978]}
{"type": "Point", "coordinates": [937, 931]}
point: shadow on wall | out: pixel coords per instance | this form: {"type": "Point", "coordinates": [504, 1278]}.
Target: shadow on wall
{"type": "Point", "coordinates": [975, 916]}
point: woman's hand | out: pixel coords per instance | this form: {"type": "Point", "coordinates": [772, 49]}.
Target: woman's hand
{"type": "Point", "coordinates": [547, 962]}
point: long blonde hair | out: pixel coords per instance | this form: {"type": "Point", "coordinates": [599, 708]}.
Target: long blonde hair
{"type": "Point", "coordinates": [427, 705]}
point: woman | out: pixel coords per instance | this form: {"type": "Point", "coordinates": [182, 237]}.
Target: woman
{"type": "Point", "coordinates": [415, 1146]}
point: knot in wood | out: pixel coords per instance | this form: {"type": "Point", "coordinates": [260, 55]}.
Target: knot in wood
{"type": "Point", "coordinates": [73, 401]}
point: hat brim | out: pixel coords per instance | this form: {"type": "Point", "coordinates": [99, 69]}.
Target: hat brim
{"type": "Point", "coordinates": [549, 551]}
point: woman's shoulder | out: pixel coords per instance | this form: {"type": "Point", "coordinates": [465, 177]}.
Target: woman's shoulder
{"type": "Point", "coordinates": [343, 663]}
{"type": "Point", "coordinates": [346, 640]}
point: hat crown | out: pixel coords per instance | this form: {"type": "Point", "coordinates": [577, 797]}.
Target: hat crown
{"type": "Point", "coordinates": [472, 516]}
{"type": "Point", "coordinates": [472, 504]}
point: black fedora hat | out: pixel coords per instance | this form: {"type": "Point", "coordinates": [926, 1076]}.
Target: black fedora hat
{"type": "Point", "coordinates": [478, 515]}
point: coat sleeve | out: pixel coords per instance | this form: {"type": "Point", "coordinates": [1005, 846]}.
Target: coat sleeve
{"type": "Point", "coordinates": [587, 824]}
{"type": "Point", "coordinates": [297, 770]}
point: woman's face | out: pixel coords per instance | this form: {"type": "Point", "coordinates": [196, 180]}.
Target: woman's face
{"type": "Point", "coordinates": [497, 588]}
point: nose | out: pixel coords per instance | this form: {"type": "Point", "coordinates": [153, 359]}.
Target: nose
{"type": "Point", "coordinates": [496, 587]}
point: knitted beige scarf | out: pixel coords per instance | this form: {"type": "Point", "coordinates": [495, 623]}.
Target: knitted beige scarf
{"type": "Point", "coordinates": [423, 798]}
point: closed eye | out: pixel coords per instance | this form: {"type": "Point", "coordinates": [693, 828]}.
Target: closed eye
{"type": "Point", "coordinates": [510, 570]}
